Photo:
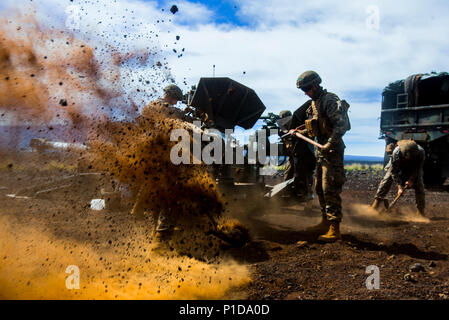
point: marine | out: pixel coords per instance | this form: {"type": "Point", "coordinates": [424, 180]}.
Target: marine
{"type": "Point", "coordinates": [165, 106]}
{"type": "Point", "coordinates": [327, 122]}
{"type": "Point", "coordinates": [301, 159]}
{"type": "Point", "coordinates": [284, 124]}
{"type": "Point", "coordinates": [405, 168]}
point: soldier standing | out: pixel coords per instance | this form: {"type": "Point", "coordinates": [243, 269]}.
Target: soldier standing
{"type": "Point", "coordinates": [406, 169]}
{"type": "Point", "coordinates": [284, 124]}
{"type": "Point", "coordinates": [301, 161]}
{"type": "Point", "coordinates": [328, 121]}
{"type": "Point", "coordinates": [165, 106]}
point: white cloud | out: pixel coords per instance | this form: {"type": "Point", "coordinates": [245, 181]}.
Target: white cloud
{"type": "Point", "coordinates": [287, 38]}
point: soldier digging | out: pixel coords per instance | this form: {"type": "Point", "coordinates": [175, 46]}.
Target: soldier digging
{"type": "Point", "coordinates": [405, 168]}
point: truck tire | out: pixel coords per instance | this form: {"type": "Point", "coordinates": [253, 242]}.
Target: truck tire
{"type": "Point", "coordinates": [432, 176]}
{"type": "Point", "coordinates": [386, 159]}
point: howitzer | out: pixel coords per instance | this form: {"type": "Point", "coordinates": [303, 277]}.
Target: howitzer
{"type": "Point", "coordinates": [271, 121]}
{"type": "Point", "coordinates": [41, 145]}
{"type": "Point", "coordinates": [226, 103]}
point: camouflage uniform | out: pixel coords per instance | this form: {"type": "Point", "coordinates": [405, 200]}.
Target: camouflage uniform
{"type": "Point", "coordinates": [165, 109]}
{"type": "Point", "coordinates": [165, 219]}
{"type": "Point", "coordinates": [302, 161]}
{"type": "Point", "coordinates": [284, 126]}
{"type": "Point", "coordinates": [399, 170]}
{"type": "Point", "coordinates": [330, 172]}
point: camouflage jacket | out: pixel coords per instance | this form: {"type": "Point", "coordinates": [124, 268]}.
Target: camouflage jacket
{"type": "Point", "coordinates": [331, 127]}
{"type": "Point", "coordinates": [165, 109]}
{"type": "Point", "coordinates": [402, 170]}
{"type": "Point", "coordinates": [300, 148]}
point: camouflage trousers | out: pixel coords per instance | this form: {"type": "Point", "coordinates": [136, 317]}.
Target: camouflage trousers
{"type": "Point", "coordinates": [289, 169]}
{"type": "Point", "coordinates": [329, 180]}
{"type": "Point", "coordinates": [164, 222]}
{"type": "Point", "coordinates": [418, 185]}
{"type": "Point", "coordinates": [303, 174]}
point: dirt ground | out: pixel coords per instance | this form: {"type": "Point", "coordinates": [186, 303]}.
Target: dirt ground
{"type": "Point", "coordinates": [310, 270]}
{"type": "Point", "coordinates": [282, 260]}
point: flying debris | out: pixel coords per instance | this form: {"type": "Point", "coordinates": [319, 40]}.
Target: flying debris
{"type": "Point", "coordinates": [174, 9]}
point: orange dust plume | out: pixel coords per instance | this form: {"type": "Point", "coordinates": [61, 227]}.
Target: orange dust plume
{"type": "Point", "coordinates": [33, 265]}
{"type": "Point", "coordinates": [50, 76]}
{"type": "Point", "coordinates": [138, 155]}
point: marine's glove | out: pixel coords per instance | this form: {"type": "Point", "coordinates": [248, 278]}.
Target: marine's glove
{"type": "Point", "coordinates": [188, 110]}
{"type": "Point", "coordinates": [293, 131]}
{"type": "Point", "coordinates": [327, 148]}
{"type": "Point", "coordinates": [409, 184]}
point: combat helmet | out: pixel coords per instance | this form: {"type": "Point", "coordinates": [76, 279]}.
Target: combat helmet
{"type": "Point", "coordinates": [390, 148]}
{"type": "Point", "coordinates": [284, 114]}
{"type": "Point", "coordinates": [173, 91]}
{"type": "Point", "coordinates": [307, 80]}
{"type": "Point", "coordinates": [409, 148]}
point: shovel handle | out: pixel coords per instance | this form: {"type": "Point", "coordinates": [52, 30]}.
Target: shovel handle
{"type": "Point", "coordinates": [396, 199]}
{"type": "Point", "coordinates": [316, 144]}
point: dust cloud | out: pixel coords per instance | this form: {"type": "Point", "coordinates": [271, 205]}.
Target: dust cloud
{"type": "Point", "coordinates": [54, 81]}
{"type": "Point", "coordinates": [33, 266]}
{"type": "Point", "coordinates": [399, 213]}
{"type": "Point", "coordinates": [138, 155]}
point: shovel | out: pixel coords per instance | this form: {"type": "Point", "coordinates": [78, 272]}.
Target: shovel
{"type": "Point", "coordinates": [400, 194]}
{"type": "Point", "coordinates": [279, 187]}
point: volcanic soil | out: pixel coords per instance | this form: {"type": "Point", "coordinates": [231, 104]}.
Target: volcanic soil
{"type": "Point", "coordinates": [283, 260]}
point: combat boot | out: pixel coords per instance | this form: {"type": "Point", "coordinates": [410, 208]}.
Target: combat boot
{"type": "Point", "coordinates": [161, 240]}
{"type": "Point", "coordinates": [421, 212]}
{"type": "Point", "coordinates": [376, 204]}
{"type": "Point", "coordinates": [138, 210]}
{"type": "Point", "coordinates": [163, 236]}
{"type": "Point", "coordinates": [333, 234]}
{"type": "Point", "coordinates": [320, 228]}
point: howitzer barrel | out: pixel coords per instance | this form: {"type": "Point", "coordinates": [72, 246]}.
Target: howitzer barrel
{"type": "Point", "coordinates": [43, 144]}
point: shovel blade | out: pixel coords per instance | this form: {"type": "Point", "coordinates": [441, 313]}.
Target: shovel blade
{"type": "Point", "coordinates": [278, 188]}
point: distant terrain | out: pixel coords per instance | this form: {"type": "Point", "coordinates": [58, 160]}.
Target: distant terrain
{"type": "Point", "coordinates": [362, 159]}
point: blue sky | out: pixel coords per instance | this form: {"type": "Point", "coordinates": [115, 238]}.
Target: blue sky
{"type": "Point", "coordinates": [358, 47]}
{"type": "Point", "coordinates": [225, 12]}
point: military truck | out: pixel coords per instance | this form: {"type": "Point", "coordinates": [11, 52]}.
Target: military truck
{"type": "Point", "coordinates": [417, 108]}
